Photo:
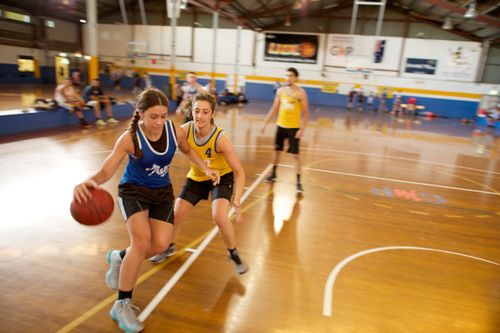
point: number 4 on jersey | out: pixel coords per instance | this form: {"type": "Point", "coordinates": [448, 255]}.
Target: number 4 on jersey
{"type": "Point", "coordinates": [208, 152]}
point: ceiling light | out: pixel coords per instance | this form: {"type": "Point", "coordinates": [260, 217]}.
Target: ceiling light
{"type": "Point", "coordinates": [288, 22]}
{"type": "Point", "coordinates": [447, 25]}
{"type": "Point", "coordinates": [471, 12]}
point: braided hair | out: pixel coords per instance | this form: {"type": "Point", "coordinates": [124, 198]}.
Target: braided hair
{"type": "Point", "coordinates": [147, 99]}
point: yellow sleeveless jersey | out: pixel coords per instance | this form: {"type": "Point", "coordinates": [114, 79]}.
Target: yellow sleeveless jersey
{"type": "Point", "coordinates": [290, 109]}
{"type": "Point", "coordinates": [208, 154]}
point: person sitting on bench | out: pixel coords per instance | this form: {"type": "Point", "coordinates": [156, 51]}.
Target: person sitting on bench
{"type": "Point", "coordinates": [66, 97]}
{"type": "Point", "coordinates": [94, 97]}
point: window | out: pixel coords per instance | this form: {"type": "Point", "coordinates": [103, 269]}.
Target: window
{"type": "Point", "coordinates": [17, 17]}
{"type": "Point", "coordinates": [25, 63]}
{"type": "Point", "coordinates": [50, 24]}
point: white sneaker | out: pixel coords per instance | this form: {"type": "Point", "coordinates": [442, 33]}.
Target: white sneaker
{"type": "Point", "coordinates": [113, 274]}
{"type": "Point", "coordinates": [100, 122]}
{"type": "Point", "coordinates": [123, 313]}
{"type": "Point", "coordinates": [112, 120]}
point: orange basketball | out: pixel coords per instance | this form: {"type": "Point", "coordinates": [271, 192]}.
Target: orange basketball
{"type": "Point", "coordinates": [96, 210]}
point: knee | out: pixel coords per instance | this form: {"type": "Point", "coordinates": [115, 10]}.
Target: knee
{"type": "Point", "coordinates": [220, 220]}
{"type": "Point", "coordinates": [140, 246]}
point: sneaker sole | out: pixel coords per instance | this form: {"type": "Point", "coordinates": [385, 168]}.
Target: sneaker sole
{"type": "Point", "coordinates": [162, 259]}
{"type": "Point", "coordinates": [122, 327]}
{"type": "Point", "coordinates": [158, 261]}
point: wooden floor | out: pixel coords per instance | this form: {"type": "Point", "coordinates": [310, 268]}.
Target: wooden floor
{"type": "Point", "coordinates": [398, 231]}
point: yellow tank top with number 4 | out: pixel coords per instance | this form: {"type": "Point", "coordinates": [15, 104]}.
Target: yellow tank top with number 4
{"type": "Point", "coordinates": [290, 108]}
{"type": "Point", "coordinates": [208, 154]}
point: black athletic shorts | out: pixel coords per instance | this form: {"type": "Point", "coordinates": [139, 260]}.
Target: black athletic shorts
{"type": "Point", "coordinates": [194, 191]}
{"type": "Point", "coordinates": [159, 201]}
{"type": "Point", "coordinates": [283, 133]}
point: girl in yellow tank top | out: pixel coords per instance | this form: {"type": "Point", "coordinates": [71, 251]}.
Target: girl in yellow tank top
{"type": "Point", "coordinates": [208, 153]}
{"type": "Point", "coordinates": [217, 151]}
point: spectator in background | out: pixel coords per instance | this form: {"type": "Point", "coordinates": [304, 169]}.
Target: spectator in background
{"type": "Point", "coordinates": [76, 78]}
{"type": "Point", "coordinates": [115, 77]}
{"type": "Point", "coordinates": [66, 97]}
{"type": "Point", "coordinates": [350, 99]}
{"type": "Point", "coordinates": [361, 100]}
{"type": "Point", "coordinates": [411, 106]}
{"type": "Point", "coordinates": [369, 102]}
{"type": "Point", "coordinates": [136, 90]}
{"type": "Point", "coordinates": [189, 89]}
{"type": "Point", "coordinates": [94, 96]}
{"type": "Point", "coordinates": [383, 100]}
{"type": "Point", "coordinates": [147, 81]}
{"type": "Point", "coordinates": [396, 105]}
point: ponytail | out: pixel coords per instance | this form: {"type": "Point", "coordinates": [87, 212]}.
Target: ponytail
{"type": "Point", "coordinates": [132, 128]}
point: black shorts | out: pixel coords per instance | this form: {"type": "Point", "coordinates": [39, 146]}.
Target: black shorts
{"type": "Point", "coordinates": [194, 191]}
{"type": "Point", "coordinates": [283, 133]}
{"type": "Point", "coordinates": [159, 201]}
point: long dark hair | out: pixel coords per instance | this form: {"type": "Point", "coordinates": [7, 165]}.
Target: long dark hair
{"type": "Point", "coordinates": [147, 99]}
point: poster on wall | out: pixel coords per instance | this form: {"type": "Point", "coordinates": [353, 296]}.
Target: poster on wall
{"type": "Point", "coordinates": [354, 51]}
{"type": "Point", "coordinates": [441, 59]}
{"type": "Point", "coordinates": [62, 69]}
{"type": "Point", "coordinates": [291, 48]}
{"type": "Point", "coordinates": [461, 62]}
{"type": "Point", "coordinates": [421, 66]}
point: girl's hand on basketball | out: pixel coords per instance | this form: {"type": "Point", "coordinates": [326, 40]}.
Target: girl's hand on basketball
{"type": "Point", "coordinates": [81, 192]}
{"type": "Point", "coordinates": [237, 213]}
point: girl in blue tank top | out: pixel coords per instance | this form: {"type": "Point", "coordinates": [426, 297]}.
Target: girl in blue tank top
{"type": "Point", "coordinates": [145, 195]}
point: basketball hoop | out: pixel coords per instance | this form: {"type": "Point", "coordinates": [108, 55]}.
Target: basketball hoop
{"type": "Point", "coordinates": [137, 49]}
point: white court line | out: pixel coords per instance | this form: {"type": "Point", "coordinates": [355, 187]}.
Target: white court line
{"type": "Point", "coordinates": [328, 293]}
{"type": "Point", "coordinates": [394, 180]}
{"type": "Point", "coordinates": [180, 272]}
{"type": "Point", "coordinates": [378, 155]}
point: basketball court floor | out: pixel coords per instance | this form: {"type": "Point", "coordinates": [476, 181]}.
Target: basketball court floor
{"type": "Point", "coordinates": [398, 230]}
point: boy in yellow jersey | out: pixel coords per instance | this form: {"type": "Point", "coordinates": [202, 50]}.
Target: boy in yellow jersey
{"type": "Point", "coordinates": [215, 148]}
{"type": "Point", "coordinates": [290, 103]}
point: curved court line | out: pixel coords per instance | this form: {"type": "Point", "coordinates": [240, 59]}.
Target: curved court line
{"type": "Point", "coordinates": [328, 293]}
{"type": "Point", "coordinates": [377, 155]}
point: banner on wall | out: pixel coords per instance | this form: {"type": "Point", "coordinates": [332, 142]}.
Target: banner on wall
{"type": "Point", "coordinates": [354, 51]}
{"type": "Point", "coordinates": [461, 62]}
{"type": "Point", "coordinates": [441, 59]}
{"type": "Point", "coordinates": [421, 66]}
{"type": "Point", "coordinates": [291, 48]}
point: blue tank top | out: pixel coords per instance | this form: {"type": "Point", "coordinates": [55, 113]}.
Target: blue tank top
{"type": "Point", "coordinates": [151, 169]}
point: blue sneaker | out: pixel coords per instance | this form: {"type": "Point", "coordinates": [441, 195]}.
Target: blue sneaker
{"type": "Point", "coordinates": [123, 313]}
{"type": "Point", "coordinates": [113, 274]}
